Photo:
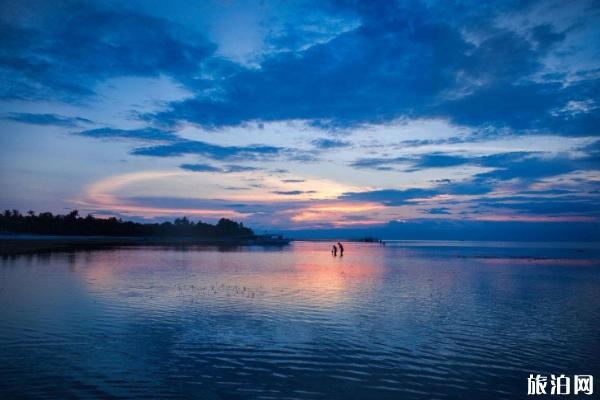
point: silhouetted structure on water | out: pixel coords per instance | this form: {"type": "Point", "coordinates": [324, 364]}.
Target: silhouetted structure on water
{"type": "Point", "coordinates": [72, 224]}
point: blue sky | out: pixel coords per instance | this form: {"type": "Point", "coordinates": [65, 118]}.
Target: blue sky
{"type": "Point", "coordinates": [303, 115]}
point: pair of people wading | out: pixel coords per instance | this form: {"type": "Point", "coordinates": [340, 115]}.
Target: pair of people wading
{"type": "Point", "coordinates": [334, 249]}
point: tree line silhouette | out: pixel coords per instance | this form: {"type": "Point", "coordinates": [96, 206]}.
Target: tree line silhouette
{"type": "Point", "coordinates": [73, 224]}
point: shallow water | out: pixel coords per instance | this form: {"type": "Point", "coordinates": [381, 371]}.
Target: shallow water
{"type": "Point", "coordinates": [409, 320]}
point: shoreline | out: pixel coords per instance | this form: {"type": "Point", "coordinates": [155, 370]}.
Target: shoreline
{"type": "Point", "coordinates": [15, 244]}
{"type": "Point", "coordinates": [28, 243]}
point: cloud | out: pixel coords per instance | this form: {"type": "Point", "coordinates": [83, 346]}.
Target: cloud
{"type": "Point", "coordinates": [210, 168]}
{"type": "Point", "coordinates": [47, 119]}
{"type": "Point", "coordinates": [239, 168]}
{"type": "Point", "coordinates": [503, 69]}
{"type": "Point", "coordinates": [187, 203]}
{"type": "Point", "coordinates": [292, 192]}
{"type": "Point", "coordinates": [527, 166]}
{"type": "Point", "coordinates": [379, 162]}
{"type": "Point", "coordinates": [235, 188]}
{"type": "Point", "coordinates": [475, 186]}
{"type": "Point", "coordinates": [268, 209]}
{"type": "Point", "coordinates": [439, 160]}
{"type": "Point", "coordinates": [546, 191]}
{"type": "Point", "coordinates": [324, 143]}
{"type": "Point", "coordinates": [545, 35]}
{"type": "Point", "coordinates": [82, 43]}
{"type": "Point", "coordinates": [200, 168]}
{"type": "Point", "coordinates": [438, 211]}
{"type": "Point", "coordinates": [346, 81]}
{"type": "Point", "coordinates": [390, 197]}
{"type": "Point", "coordinates": [183, 147]}
{"type": "Point", "coordinates": [366, 64]}
{"type": "Point", "coordinates": [176, 146]}
{"type": "Point", "coordinates": [141, 134]}
{"type": "Point", "coordinates": [548, 206]}
{"type": "Point", "coordinates": [592, 152]}
{"type": "Point", "coordinates": [451, 140]}
{"type": "Point", "coordinates": [399, 197]}
{"type": "Point", "coordinates": [407, 60]}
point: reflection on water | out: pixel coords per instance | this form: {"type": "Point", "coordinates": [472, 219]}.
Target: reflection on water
{"type": "Point", "coordinates": [401, 321]}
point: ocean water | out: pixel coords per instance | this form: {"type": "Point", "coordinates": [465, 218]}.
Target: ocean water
{"type": "Point", "coordinates": [411, 320]}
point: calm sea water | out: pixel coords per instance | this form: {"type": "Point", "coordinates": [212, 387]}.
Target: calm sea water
{"type": "Point", "coordinates": [412, 320]}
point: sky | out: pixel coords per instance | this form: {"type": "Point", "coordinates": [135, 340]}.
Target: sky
{"type": "Point", "coordinates": [308, 116]}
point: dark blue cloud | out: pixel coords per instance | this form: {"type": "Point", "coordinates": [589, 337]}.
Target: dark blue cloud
{"type": "Point", "coordinates": [395, 59]}
{"type": "Point", "coordinates": [527, 166]}
{"type": "Point", "coordinates": [549, 202]}
{"type": "Point", "coordinates": [402, 61]}
{"type": "Point", "coordinates": [440, 160]}
{"type": "Point", "coordinates": [82, 43]}
{"type": "Point", "coordinates": [531, 166]}
{"type": "Point", "coordinates": [550, 206]}
{"type": "Point", "coordinates": [183, 147]}
{"type": "Point", "coordinates": [176, 146]}
{"type": "Point", "coordinates": [592, 152]}
{"type": "Point", "coordinates": [546, 192]}
{"type": "Point", "coordinates": [438, 211]}
{"type": "Point", "coordinates": [395, 197]}
{"type": "Point", "coordinates": [380, 162]}
{"type": "Point", "coordinates": [235, 188]}
{"type": "Point", "coordinates": [366, 75]}
{"type": "Point", "coordinates": [291, 192]}
{"type": "Point", "coordinates": [545, 35]}
{"type": "Point", "coordinates": [239, 168]}
{"type": "Point", "coordinates": [390, 197]}
{"type": "Point", "coordinates": [210, 168]}
{"type": "Point", "coordinates": [471, 187]}
{"type": "Point", "coordinates": [324, 143]}
{"type": "Point", "coordinates": [200, 168]}
{"type": "Point", "coordinates": [451, 140]}
{"type": "Point", "coordinates": [505, 104]}
{"type": "Point", "coordinates": [47, 119]}
{"type": "Point", "coordinates": [150, 134]}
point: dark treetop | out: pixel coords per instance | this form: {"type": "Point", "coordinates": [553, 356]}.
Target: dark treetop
{"type": "Point", "coordinates": [72, 224]}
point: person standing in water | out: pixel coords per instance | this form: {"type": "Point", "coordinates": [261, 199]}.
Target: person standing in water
{"type": "Point", "coordinates": [341, 249]}
{"type": "Point", "coordinates": [334, 250]}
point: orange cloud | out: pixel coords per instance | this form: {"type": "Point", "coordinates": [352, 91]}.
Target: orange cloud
{"type": "Point", "coordinates": [102, 195]}
{"type": "Point", "coordinates": [334, 213]}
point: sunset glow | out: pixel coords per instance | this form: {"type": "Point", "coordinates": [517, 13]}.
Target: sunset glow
{"type": "Point", "coordinates": [352, 125]}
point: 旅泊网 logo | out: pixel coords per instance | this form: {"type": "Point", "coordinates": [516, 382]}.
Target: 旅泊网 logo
{"type": "Point", "coordinates": [560, 385]}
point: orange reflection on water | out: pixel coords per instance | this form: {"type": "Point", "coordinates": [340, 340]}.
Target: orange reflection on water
{"type": "Point", "coordinates": [309, 275]}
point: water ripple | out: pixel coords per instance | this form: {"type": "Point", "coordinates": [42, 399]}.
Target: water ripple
{"type": "Point", "coordinates": [397, 322]}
